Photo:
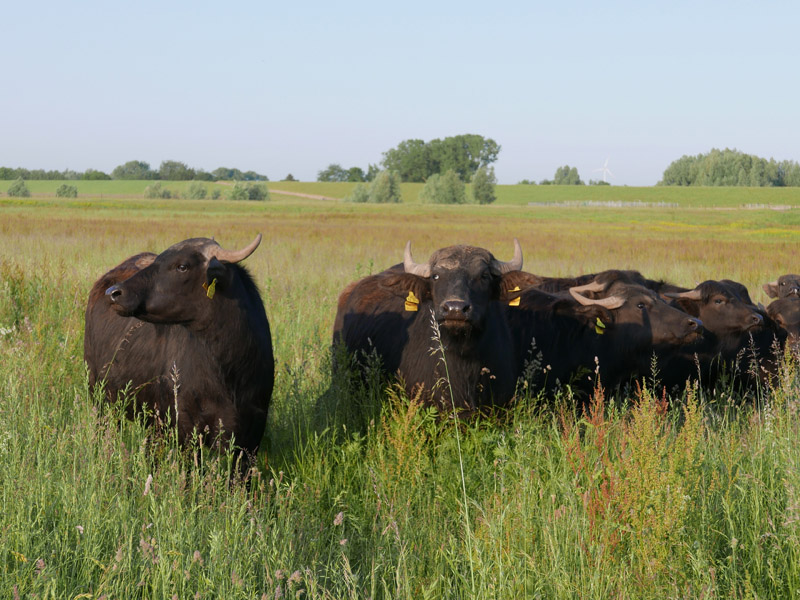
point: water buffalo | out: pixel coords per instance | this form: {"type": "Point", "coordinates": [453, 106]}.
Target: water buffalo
{"type": "Point", "coordinates": [730, 320]}
{"type": "Point", "coordinates": [455, 297]}
{"type": "Point", "coordinates": [613, 328]}
{"type": "Point", "coordinates": [187, 332]}
{"type": "Point", "coordinates": [786, 285]}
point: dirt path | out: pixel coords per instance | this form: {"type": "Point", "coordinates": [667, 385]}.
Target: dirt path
{"type": "Point", "coordinates": [300, 194]}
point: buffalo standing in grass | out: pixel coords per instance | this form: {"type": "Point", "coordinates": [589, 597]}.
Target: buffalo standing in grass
{"type": "Point", "coordinates": [734, 328]}
{"type": "Point", "coordinates": [613, 327]}
{"type": "Point", "coordinates": [185, 331]}
{"type": "Point", "coordinates": [395, 314]}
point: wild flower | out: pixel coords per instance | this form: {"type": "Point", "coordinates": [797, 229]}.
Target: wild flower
{"type": "Point", "coordinates": [147, 484]}
{"type": "Point", "coordinates": [339, 519]}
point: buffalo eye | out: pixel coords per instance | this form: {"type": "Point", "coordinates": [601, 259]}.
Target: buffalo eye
{"type": "Point", "coordinates": [640, 306]}
{"type": "Point", "coordinates": [718, 301]}
{"type": "Point", "coordinates": [182, 268]}
{"type": "Point", "coordinates": [435, 277]}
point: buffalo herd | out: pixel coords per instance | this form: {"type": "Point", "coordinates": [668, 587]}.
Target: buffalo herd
{"type": "Point", "coordinates": [183, 335]}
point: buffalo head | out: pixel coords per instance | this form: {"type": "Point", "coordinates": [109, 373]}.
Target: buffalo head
{"type": "Point", "coordinates": [462, 281]}
{"type": "Point", "coordinates": [786, 285]}
{"type": "Point", "coordinates": [180, 283]}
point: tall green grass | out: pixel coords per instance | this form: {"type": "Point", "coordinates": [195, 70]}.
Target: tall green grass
{"type": "Point", "coordinates": [359, 492]}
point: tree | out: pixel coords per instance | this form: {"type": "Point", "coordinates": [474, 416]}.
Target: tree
{"type": "Point", "coordinates": [416, 160]}
{"type": "Point", "coordinates": [134, 169]}
{"type": "Point", "coordinates": [410, 160]}
{"type": "Point", "coordinates": [567, 175]}
{"type": "Point", "coordinates": [483, 183]}
{"type": "Point", "coordinates": [334, 172]}
{"type": "Point", "coordinates": [289, 177]}
{"type": "Point", "coordinates": [444, 189]}
{"type": "Point", "coordinates": [66, 191]}
{"type": "Point", "coordinates": [93, 175]}
{"type": "Point", "coordinates": [18, 189]}
{"type": "Point", "coordinates": [355, 174]}
{"type": "Point", "coordinates": [172, 170]}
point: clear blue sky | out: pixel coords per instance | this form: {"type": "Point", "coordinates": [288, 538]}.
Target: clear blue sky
{"type": "Point", "coordinates": [291, 87]}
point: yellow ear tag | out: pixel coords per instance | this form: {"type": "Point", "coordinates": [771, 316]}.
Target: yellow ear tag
{"type": "Point", "coordinates": [210, 289]}
{"type": "Point", "coordinates": [515, 301]}
{"type": "Point", "coordinates": [599, 327]}
{"type": "Point", "coordinates": [412, 302]}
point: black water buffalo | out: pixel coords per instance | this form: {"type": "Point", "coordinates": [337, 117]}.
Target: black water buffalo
{"type": "Point", "coordinates": [570, 336]}
{"type": "Point", "coordinates": [730, 321]}
{"type": "Point", "coordinates": [786, 285]}
{"type": "Point", "coordinates": [187, 332]}
{"type": "Point", "coordinates": [395, 314]}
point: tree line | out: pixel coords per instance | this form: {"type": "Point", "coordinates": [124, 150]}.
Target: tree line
{"type": "Point", "coordinates": [169, 170]}
{"type": "Point", "coordinates": [416, 160]}
{"type": "Point", "coordinates": [731, 168]}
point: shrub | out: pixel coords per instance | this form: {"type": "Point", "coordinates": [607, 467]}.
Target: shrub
{"type": "Point", "coordinates": [360, 194]}
{"type": "Point", "coordinates": [196, 191]}
{"type": "Point", "coordinates": [18, 189]}
{"type": "Point", "coordinates": [156, 191]}
{"type": "Point", "coordinates": [66, 191]}
{"type": "Point", "coordinates": [483, 183]}
{"type": "Point", "coordinates": [216, 193]}
{"type": "Point", "coordinates": [385, 188]}
{"type": "Point", "coordinates": [248, 191]}
{"type": "Point", "coordinates": [444, 189]}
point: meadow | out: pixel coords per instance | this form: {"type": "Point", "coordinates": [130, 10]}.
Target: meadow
{"type": "Point", "coordinates": [359, 492]}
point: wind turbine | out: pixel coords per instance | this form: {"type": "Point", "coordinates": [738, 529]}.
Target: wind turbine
{"type": "Point", "coordinates": [606, 171]}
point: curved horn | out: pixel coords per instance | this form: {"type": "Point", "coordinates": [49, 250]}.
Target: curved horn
{"type": "Point", "coordinates": [232, 256]}
{"type": "Point", "coordinates": [690, 295]}
{"type": "Point", "coordinates": [414, 268]}
{"type": "Point", "coordinates": [515, 264]}
{"type": "Point", "coordinates": [610, 303]}
{"type": "Point", "coordinates": [592, 286]}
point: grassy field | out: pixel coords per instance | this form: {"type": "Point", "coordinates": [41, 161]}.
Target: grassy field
{"type": "Point", "coordinates": [361, 494]}
{"type": "Point", "coordinates": [521, 195]}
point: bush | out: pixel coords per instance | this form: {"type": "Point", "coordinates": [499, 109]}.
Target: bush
{"type": "Point", "coordinates": [483, 183]}
{"type": "Point", "coordinates": [216, 193]}
{"type": "Point", "coordinates": [444, 189]}
{"type": "Point", "coordinates": [66, 191]}
{"type": "Point", "coordinates": [385, 188]}
{"type": "Point", "coordinates": [196, 191]}
{"type": "Point", "coordinates": [360, 194]}
{"type": "Point", "coordinates": [18, 189]}
{"type": "Point", "coordinates": [156, 191]}
{"type": "Point", "coordinates": [248, 191]}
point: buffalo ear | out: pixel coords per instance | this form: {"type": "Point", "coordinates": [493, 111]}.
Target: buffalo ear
{"type": "Point", "coordinates": [687, 305]}
{"type": "Point", "coordinates": [219, 271]}
{"type": "Point", "coordinates": [594, 314]}
{"type": "Point", "coordinates": [771, 289]}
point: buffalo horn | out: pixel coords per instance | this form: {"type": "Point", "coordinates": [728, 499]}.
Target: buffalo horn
{"type": "Point", "coordinates": [690, 295]}
{"type": "Point", "coordinates": [414, 268]}
{"type": "Point", "coordinates": [232, 256]}
{"type": "Point", "coordinates": [515, 264]}
{"type": "Point", "coordinates": [610, 303]}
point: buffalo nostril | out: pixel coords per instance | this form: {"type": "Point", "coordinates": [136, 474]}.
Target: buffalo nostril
{"type": "Point", "coordinates": [456, 307]}
{"type": "Point", "coordinates": [694, 324]}
{"type": "Point", "coordinates": [757, 318]}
